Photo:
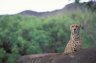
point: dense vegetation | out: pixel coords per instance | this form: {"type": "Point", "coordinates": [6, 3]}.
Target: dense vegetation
{"type": "Point", "coordinates": [21, 35]}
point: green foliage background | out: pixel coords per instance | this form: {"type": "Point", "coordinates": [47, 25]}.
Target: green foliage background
{"type": "Point", "coordinates": [22, 35]}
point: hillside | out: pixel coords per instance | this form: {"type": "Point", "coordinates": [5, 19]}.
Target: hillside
{"type": "Point", "coordinates": [70, 7]}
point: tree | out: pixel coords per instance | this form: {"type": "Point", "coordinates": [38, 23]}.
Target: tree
{"type": "Point", "coordinates": [77, 1]}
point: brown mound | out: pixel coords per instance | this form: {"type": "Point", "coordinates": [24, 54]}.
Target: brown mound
{"type": "Point", "coordinates": [84, 56]}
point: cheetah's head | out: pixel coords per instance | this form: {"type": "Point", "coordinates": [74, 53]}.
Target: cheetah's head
{"type": "Point", "coordinates": [75, 28]}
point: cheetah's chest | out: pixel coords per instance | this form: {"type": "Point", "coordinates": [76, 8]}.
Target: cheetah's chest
{"type": "Point", "coordinates": [73, 46]}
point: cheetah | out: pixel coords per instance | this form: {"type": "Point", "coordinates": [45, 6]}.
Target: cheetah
{"type": "Point", "coordinates": [74, 44]}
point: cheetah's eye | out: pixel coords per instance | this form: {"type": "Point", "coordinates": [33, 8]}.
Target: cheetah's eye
{"type": "Point", "coordinates": [72, 26]}
{"type": "Point", "coordinates": [76, 26]}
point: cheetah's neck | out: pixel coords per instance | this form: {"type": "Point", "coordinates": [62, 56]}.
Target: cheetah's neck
{"type": "Point", "coordinates": [75, 37]}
